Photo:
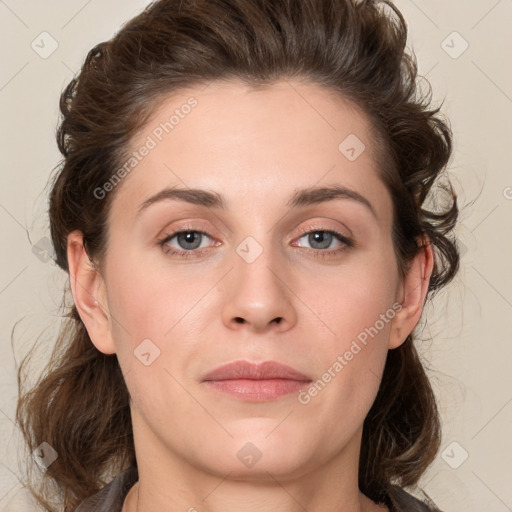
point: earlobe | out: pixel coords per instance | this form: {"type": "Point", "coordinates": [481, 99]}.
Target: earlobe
{"type": "Point", "coordinates": [89, 294]}
{"type": "Point", "coordinates": [412, 294]}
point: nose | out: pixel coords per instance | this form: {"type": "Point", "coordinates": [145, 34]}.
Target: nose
{"type": "Point", "coordinates": [258, 295]}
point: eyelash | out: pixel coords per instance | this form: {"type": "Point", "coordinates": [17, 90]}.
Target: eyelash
{"type": "Point", "coordinates": [319, 253]}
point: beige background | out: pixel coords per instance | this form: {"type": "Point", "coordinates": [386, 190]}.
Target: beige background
{"type": "Point", "coordinates": [471, 352]}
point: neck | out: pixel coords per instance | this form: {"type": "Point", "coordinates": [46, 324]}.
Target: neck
{"type": "Point", "coordinates": [168, 483]}
{"type": "Point", "coordinates": [247, 503]}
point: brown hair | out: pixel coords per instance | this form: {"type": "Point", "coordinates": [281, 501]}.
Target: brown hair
{"type": "Point", "coordinates": [80, 406]}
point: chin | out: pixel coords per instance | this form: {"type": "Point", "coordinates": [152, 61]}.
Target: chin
{"type": "Point", "coordinates": [268, 468]}
{"type": "Point", "coordinates": [262, 458]}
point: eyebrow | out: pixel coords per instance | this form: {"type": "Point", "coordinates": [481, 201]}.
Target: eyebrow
{"type": "Point", "coordinates": [300, 198]}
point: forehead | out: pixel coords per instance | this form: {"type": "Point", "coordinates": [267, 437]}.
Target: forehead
{"type": "Point", "coordinates": [255, 146]}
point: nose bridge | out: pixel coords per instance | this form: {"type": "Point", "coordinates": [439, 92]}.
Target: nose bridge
{"type": "Point", "coordinates": [257, 250]}
{"type": "Point", "coordinates": [258, 295]}
{"type": "Point", "coordinates": [258, 264]}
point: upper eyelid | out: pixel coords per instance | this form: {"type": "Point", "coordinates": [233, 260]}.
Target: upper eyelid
{"type": "Point", "coordinates": [197, 225]}
{"type": "Point", "coordinates": [342, 238]}
{"type": "Point", "coordinates": [303, 232]}
{"type": "Point", "coordinates": [185, 229]}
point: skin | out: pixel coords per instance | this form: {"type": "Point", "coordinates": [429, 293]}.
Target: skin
{"type": "Point", "coordinates": [255, 147]}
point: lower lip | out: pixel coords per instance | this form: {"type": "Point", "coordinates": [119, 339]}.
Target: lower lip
{"type": "Point", "coordinates": [257, 390]}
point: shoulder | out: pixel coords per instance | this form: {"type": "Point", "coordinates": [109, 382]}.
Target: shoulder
{"type": "Point", "coordinates": [402, 501]}
{"type": "Point", "coordinates": [111, 497]}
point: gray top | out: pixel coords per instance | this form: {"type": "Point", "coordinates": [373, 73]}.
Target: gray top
{"type": "Point", "coordinates": [111, 497]}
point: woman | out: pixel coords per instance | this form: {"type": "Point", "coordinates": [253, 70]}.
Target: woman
{"type": "Point", "coordinates": [242, 212]}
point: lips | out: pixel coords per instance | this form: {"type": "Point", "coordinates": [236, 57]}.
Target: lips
{"type": "Point", "coordinates": [264, 371]}
{"type": "Point", "coordinates": [253, 382]}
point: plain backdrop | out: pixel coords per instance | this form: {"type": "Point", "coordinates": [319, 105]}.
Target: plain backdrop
{"type": "Point", "coordinates": [463, 48]}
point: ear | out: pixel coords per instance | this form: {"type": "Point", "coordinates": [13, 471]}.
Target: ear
{"type": "Point", "coordinates": [411, 294]}
{"type": "Point", "coordinates": [89, 294]}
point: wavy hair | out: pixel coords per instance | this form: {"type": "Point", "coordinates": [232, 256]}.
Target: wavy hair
{"type": "Point", "coordinates": [80, 405]}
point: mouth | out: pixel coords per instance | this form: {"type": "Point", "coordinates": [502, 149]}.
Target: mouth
{"type": "Point", "coordinates": [254, 382]}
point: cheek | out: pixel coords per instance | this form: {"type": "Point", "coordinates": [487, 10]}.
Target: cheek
{"type": "Point", "coordinates": [157, 311]}
{"type": "Point", "coordinates": [354, 299]}
{"type": "Point", "coordinates": [349, 365]}
{"type": "Point", "coordinates": [149, 300]}
{"type": "Point", "coordinates": [356, 310]}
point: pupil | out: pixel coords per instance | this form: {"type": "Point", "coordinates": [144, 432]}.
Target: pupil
{"type": "Point", "coordinates": [321, 237]}
{"type": "Point", "coordinates": [189, 237]}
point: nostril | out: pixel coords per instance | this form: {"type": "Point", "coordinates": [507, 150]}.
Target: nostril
{"type": "Point", "coordinates": [239, 320]}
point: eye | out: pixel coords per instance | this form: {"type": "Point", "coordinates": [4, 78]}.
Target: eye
{"type": "Point", "coordinates": [189, 242]}
{"type": "Point", "coordinates": [322, 239]}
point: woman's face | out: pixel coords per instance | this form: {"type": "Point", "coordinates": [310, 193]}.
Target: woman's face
{"type": "Point", "coordinates": [277, 268]}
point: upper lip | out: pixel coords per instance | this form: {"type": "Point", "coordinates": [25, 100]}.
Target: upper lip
{"type": "Point", "coordinates": [255, 371]}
